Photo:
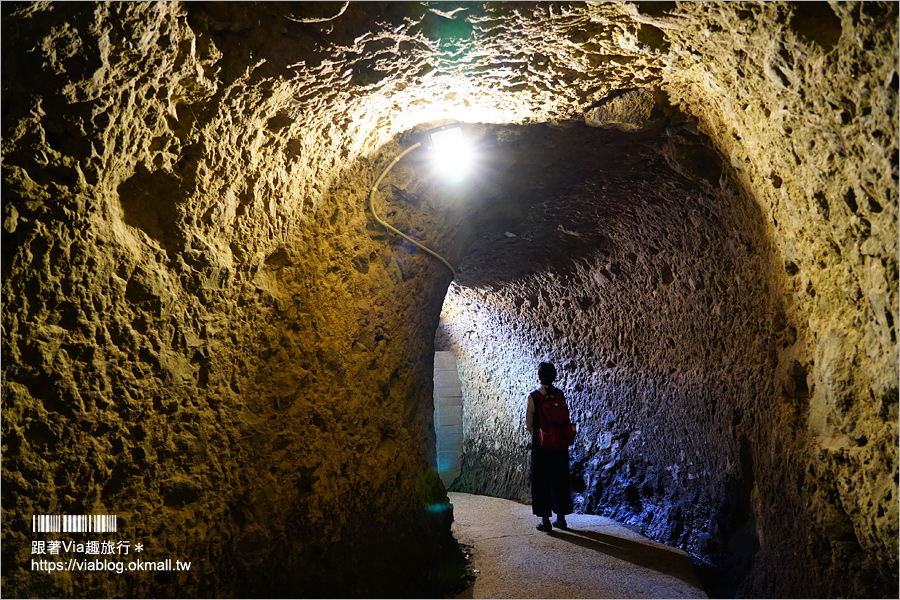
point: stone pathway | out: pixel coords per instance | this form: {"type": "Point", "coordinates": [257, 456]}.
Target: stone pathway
{"type": "Point", "coordinates": [596, 558]}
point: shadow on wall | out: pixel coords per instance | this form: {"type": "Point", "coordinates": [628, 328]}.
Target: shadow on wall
{"type": "Point", "coordinates": [733, 538]}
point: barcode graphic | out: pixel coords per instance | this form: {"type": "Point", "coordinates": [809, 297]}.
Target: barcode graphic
{"type": "Point", "coordinates": [73, 523]}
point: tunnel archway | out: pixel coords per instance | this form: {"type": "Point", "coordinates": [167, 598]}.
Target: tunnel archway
{"type": "Point", "coordinates": [633, 262]}
{"type": "Point", "coordinates": [205, 333]}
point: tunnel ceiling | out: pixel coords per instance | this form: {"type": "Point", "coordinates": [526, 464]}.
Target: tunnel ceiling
{"type": "Point", "coordinates": [542, 197]}
{"type": "Point", "coordinates": [303, 88]}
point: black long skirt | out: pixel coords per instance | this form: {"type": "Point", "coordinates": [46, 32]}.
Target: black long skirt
{"type": "Point", "coordinates": [550, 481]}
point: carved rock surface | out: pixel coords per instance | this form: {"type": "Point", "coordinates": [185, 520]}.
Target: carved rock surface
{"type": "Point", "coordinates": [205, 332]}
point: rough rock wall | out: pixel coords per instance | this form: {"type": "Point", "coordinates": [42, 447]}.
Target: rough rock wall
{"type": "Point", "coordinates": [810, 124]}
{"type": "Point", "coordinates": [187, 263]}
{"type": "Point", "coordinates": [801, 101]}
{"type": "Point", "coordinates": [196, 337]}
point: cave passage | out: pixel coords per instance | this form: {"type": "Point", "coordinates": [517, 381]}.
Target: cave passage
{"type": "Point", "coordinates": [624, 259]}
{"type": "Point", "coordinates": [690, 208]}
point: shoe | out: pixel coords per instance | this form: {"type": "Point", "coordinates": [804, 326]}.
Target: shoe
{"type": "Point", "coordinates": [545, 527]}
{"type": "Point", "coordinates": [560, 524]}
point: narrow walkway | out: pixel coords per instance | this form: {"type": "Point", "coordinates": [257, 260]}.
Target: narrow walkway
{"type": "Point", "coordinates": [595, 558]}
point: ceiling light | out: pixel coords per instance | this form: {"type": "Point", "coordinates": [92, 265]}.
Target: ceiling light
{"type": "Point", "coordinates": [451, 153]}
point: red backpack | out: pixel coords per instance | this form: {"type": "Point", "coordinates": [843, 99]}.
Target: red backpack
{"type": "Point", "coordinates": [555, 430]}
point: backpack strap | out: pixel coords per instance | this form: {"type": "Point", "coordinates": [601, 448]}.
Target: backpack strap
{"type": "Point", "coordinates": [538, 398]}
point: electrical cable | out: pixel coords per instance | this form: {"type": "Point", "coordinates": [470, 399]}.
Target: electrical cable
{"type": "Point", "coordinates": [394, 229]}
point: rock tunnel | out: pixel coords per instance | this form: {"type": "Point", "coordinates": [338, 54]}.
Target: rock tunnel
{"type": "Point", "coordinates": [691, 208]}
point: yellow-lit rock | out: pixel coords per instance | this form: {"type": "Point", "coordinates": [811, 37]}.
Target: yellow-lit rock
{"type": "Point", "coordinates": [205, 332]}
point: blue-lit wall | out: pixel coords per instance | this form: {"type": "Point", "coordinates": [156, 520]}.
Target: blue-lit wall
{"type": "Point", "coordinates": [665, 333]}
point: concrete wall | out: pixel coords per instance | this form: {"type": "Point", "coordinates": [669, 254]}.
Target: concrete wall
{"type": "Point", "coordinates": [447, 416]}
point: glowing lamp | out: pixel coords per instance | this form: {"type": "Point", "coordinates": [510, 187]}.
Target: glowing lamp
{"type": "Point", "coordinates": [451, 153]}
{"type": "Point", "coordinates": [451, 156]}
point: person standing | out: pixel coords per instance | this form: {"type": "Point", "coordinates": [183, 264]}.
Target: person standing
{"type": "Point", "coordinates": [549, 468]}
